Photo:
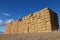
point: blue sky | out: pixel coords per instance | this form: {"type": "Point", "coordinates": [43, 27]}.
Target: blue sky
{"type": "Point", "coordinates": [14, 9]}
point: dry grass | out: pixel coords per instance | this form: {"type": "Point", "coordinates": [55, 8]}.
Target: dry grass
{"type": "Point", "coordinates": [32, 36]}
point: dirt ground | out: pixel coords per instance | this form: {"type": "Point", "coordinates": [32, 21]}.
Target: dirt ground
{"type": "Point", "coordinates": [32, 36]}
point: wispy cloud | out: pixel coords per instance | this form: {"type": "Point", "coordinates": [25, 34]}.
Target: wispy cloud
{"type": "Point", "coordinates": [3, 23]}
{"type": "Point", "coordinates": [9, 20]}
{"type": "Point", "coordinates": [6, 14]}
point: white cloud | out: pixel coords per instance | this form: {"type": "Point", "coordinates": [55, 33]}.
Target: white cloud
{"type": "Point", "coordinates": [6, 14]}
{"type": "Point", "coordinates": [10, 20]}
{"type": "Point", "coordinates": [3, 23]}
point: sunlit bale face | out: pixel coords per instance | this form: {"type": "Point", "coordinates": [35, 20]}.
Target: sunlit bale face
{"type": "Point", "coordinates": [41, 21]}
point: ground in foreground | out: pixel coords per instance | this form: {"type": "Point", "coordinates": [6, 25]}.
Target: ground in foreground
{"type": "Point", "coordinates": [32, 36]}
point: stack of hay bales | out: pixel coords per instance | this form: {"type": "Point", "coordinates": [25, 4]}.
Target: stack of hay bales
{"type": "Point", "coordinates": [41, 21]}
{"type": "Point", "coordinates": [8, 28]}
{"type": "Point", "coordinates": [14, 28]}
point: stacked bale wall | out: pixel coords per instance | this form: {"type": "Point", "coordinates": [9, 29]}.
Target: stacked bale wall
{"type": "Point", "coordinates": [41, 21]}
